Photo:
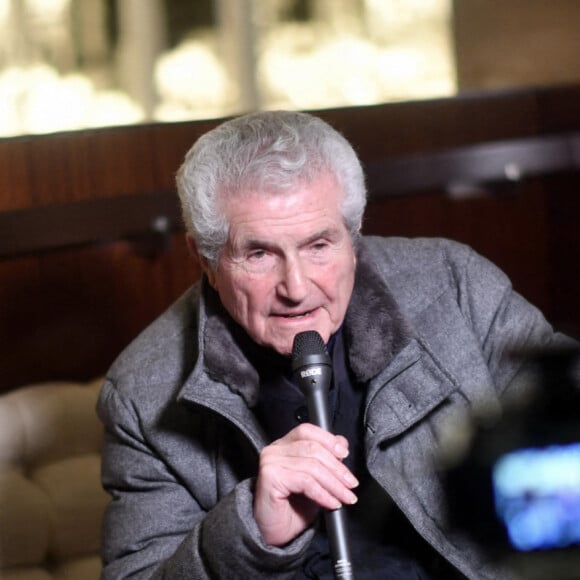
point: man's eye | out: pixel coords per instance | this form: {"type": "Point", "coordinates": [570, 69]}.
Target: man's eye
{"type": "Point", "coordinates": [319, 246]}
{"type": "Point", "coordinates": [257, 254]}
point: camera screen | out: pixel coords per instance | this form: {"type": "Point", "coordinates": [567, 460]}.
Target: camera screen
{"type": "Point", "coordinates": [537, 496]}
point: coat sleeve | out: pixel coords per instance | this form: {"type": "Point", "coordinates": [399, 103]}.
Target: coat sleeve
{"type": "Point", "coordinates": [506, 324]}
{"type": "Point", "coordinates": [155, 527]}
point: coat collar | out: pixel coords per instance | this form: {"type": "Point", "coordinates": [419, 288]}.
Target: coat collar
{"type": "Point", "coordinates": [375, 331]}
{"type": "Point", "coordinates": [375, 328]}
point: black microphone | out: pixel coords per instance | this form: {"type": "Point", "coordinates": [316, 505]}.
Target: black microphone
{"type": "Point", "coordinates": [312, 370]}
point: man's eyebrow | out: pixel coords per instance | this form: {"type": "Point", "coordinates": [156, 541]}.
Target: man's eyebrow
{"type": "Point", "coordinates": [327, 233]}
{"type": "Point", "coordinates": [251, 243]}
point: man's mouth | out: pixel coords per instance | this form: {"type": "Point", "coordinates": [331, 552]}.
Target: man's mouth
{"type": "Point", "coordinates": [296, 315]}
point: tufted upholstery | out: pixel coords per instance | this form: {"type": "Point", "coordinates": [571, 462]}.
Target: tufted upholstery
{"type": "Point", "coordinates": [51, 500]}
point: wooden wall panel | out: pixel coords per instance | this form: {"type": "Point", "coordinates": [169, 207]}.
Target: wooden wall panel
{"type": "Point", "coordinates": [65, 315]}
{"type": "Point", "coordinates": [508, 228]}
{"type": "Point", "coordinates": [171, 141]}
{"type": "Point", "coordinates": [431, 125]}
{"type": "Point", "coordinates": [563, 245]}
{"type": "Point", "coordinates": [68, 312]}
{"type": "Point", "coordinates": [15, 190]}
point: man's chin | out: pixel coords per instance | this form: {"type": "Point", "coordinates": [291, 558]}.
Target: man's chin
{"type": "Point", "coordinates": [285, 344]}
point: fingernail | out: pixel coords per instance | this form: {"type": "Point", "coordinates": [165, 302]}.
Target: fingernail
{"type": "Point", "coordinates": [351, 479]}
{"type": "Point", "coordinates": [341, 450]}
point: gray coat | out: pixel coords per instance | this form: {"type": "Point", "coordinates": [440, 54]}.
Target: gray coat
{"type": "Point", "coordinates": [428, 330]}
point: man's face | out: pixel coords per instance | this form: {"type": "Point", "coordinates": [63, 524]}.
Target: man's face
{"type": "Point", "coordinates": [288, 265]}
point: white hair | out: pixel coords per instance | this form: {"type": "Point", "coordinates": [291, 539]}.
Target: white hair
{"type": "Point", "coordinates": [269, 152]}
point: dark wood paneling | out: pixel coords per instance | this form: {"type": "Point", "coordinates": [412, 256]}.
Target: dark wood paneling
{"type": "Point", "coordinates": [15, 190]}
{"type": "Point", "coordinates": [146, 218]}
{"type": "Point", "coordinates": [464, 170]}
{"type": "Point", "coordinates": [66, 313]}
{"type": "Point", "coordinates": [563, 246]}
{"type": "Point", "coordinates": [432, 125]}
{"type": "Point", "coordinates": [509, 227]}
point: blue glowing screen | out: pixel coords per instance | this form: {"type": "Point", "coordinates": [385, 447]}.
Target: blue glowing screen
{"type": "Point", "coordinates": [537, 496]}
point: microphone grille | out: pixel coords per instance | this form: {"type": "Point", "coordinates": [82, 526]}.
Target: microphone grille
{"type": "Point", "coordinates": [307, 343]}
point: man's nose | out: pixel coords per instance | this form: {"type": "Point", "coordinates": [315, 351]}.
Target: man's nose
{"type": "Point", "coordinates": [293, 283]}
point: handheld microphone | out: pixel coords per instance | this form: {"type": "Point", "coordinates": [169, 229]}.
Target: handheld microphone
{"type": "Point", "coordinates": [312, 370]}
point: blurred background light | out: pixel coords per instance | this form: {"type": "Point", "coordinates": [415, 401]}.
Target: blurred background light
{"type": "Point", "coordinates": [73, 64]}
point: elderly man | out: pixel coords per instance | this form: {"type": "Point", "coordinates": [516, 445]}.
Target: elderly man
{"type": "Point", "coordinates": [213, 467]}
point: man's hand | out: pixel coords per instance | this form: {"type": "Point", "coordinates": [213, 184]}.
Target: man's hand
{"type": "Point", "coordinates": [299, 474]}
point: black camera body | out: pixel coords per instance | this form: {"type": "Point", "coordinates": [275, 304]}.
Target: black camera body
{"type": "Point", "coordinates": [516, 487]}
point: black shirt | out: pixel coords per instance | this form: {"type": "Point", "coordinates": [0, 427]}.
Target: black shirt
{"type": "Point", "coordinates": [382, 542]}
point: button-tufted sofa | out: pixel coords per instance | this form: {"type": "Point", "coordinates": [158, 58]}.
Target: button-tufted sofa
{"type": "Point", "coordinates": [51, 500]}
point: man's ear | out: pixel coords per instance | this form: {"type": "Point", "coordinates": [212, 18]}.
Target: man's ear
{"type": "Point", "coordinates": [203, 262]}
